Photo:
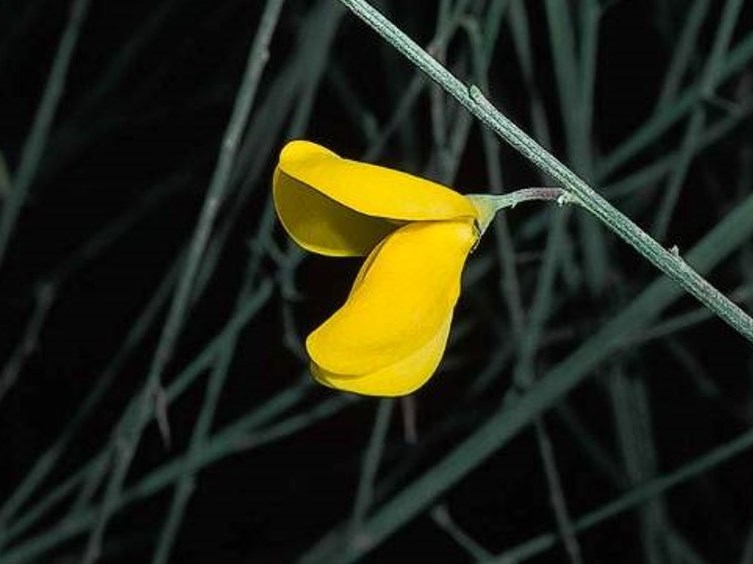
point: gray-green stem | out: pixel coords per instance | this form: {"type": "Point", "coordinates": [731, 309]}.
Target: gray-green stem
{"type": "Point", "coordinates": [488, 205]}
{"type": "Point", "coordinates": [668, 261]}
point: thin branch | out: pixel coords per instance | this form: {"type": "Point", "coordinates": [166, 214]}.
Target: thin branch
{"type": "Point", "coordinates": [668, 261]}
{"type": "Point", "coordinates": [37, 140]}
{"type": "Point", "coordinates": [153, 399]}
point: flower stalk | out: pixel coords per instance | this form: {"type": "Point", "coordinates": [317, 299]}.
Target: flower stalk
{"type": "Point", "coordinates": [489, 204]}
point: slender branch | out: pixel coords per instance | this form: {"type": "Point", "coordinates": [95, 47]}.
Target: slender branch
{"type": "Point", "coordinates": [633, 498]}
{"type": "Point", "coordinates": [512, 199]}
{"type": "Point", "coordinates": [152, 395]}
{"type": "Point", "coordinates": [557, 499]}
{"type": "Point", "coordinates": [45, 296]}
{"type": "Point", "coordinates": [697, 121]}
{"type": "Point", "coordinates": [488, 205]}
{"type": "Point", "coordinates": [37, 139]}
{"type": "Point", "coordinates": [181, 496]}
{"type": "Point", "coordinates": [668, 261]}
{"type": "Point", "coordinates": [441, 516]}
{"type": "Point", "coordinates": [371, 459]}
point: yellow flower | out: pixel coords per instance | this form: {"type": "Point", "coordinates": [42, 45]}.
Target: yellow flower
{"type": "Point", "coordinates": [388, 337]}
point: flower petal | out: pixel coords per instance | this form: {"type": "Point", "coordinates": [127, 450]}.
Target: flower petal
{"type": "Point", "coordinates": [321, 225]}
{"type": "Point", "coordinates": [369, 189]}
{"type": "Point", "coordinates": [403, 296]}
{"type": "Point", "coordinates": [398, 379]}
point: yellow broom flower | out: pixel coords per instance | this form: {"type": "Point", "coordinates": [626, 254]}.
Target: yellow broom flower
{"type": "Point", "coordinates": [389, 336]}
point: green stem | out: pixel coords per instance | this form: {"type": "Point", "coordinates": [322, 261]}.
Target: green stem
{"type": "Point", "coordinates": [488, 205]}
{"type": "Point", "coordinates": [153, 400]}
{"type": "Point", "coordinates": [633, 498]}
{"type": "Point", "coordinates": [668, 261]}
{"type": "Point", "coordinates": [738, 59]}
{"type": "Point", "coordinates": [512, 199]}
{"type": "Point", "coordinates": [199, 436]}
{"type": "Point", "coordinates": [45, 297]}
{"type": "Point", "coordinates": [372, 457]}
{"type": "Point", "coordinates": [697, 121]}
{"type": "Point", "coordinates": [35, 144]}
